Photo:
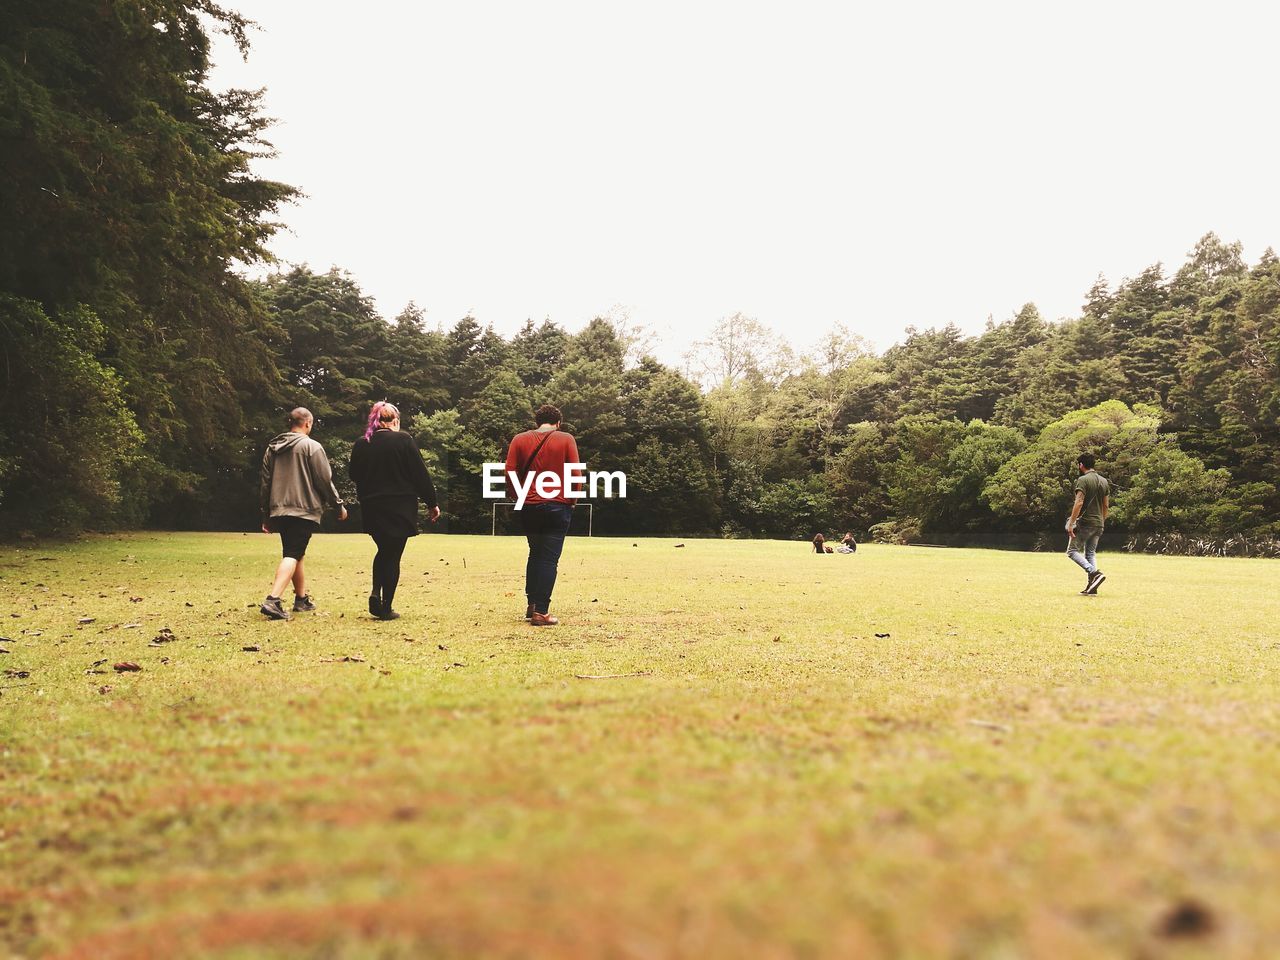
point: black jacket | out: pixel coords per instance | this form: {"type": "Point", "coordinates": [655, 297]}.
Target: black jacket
{"type": "Point", "coordinates": [388, 464]}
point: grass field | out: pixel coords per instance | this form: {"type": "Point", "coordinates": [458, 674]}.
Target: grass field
{"type": "Point", "coordinates": [903, 753]}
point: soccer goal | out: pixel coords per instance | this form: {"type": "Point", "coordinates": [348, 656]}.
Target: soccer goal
{"type": "Point", "coordinates": [590, 508]}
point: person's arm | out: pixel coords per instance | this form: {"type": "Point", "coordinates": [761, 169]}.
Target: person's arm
{"type": "Point", "coordinates": [421, 479]}
{"type": "Point", "coordinates": [510, 466]}
{"type": "Point", "coordinates": [264, 487]}
{"type": "Point", "coordinates": [322, 476]}
{"type": "Point", "coordinates": [355, 466]}
{"type": "Point", "coordinates": [1075, 511]}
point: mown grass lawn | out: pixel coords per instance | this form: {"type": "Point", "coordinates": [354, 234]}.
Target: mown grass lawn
{"type": "Point", "coordinates": [902, 753]}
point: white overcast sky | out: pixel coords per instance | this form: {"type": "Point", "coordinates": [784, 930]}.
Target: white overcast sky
{"type": "Point", "coordinates": [877, 165]}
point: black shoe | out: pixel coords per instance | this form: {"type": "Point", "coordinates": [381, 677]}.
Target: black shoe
{"type": "Point", "coordinates": [388, 614]}
{"type": "Point", "coordinates": [1088, 579]}
{"type": "Point", "coordinates": [271, 607]}
{"type": "Point", "coordinates": [375, 605]}
{"type": "Point", "coordinates": [1095, 581]}
{"type": "Point", "coordinates": [304, 604]}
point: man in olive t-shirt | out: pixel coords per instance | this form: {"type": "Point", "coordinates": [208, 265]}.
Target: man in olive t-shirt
{"type": "Point", "coordinates": [1088, 517]}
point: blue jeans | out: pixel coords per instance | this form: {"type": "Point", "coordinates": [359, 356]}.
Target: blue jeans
{"type": "Point", "coordinates": [545, 527]}
{"type": "Point", "coordinates": [1083, 547]}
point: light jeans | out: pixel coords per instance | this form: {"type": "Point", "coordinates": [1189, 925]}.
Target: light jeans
{"type": "Point", "coordinates": [1083, 547]}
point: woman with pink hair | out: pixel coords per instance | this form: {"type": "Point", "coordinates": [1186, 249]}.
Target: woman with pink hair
{"type": "Point", "coordinates": [390, 479]}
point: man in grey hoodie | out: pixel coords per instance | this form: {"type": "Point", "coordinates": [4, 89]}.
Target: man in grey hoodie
{"type": "Point", "coordinates": [296, 484]}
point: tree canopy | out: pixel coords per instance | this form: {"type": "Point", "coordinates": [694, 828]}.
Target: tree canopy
{"type": "Point", "coordinates": [143, 370]}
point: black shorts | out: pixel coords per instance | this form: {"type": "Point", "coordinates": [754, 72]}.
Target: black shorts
{"type": "Point", "coordinates": [295, 534]}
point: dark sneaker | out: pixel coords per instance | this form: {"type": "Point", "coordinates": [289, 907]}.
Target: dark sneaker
{"type": "Point", "coordinates": [304, 604]}
{"type": "Point", "coordinates": [271, 608]}
{"type": "Point", "coordinates": [1088, 579]}
{"type": "Point", "coordinates": [387, 614]}
{"type": "Point", "coordinates": [1095, 582]}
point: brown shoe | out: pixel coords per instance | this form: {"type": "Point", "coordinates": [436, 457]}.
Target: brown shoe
{"type": "Point", "coordinates": [543, 620]}
{"type": "Point", "coordinates": [528, 614]}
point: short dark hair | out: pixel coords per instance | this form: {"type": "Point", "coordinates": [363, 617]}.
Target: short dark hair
{"type": "Point", "coordinates": [547, 414]}
{"type": "Point", "coordinates": [1085, 460]}
{"type": "Point", "coordinates": [298, 416]}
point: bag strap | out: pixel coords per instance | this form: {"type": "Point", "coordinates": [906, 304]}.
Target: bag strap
{"type": "Point", "coordinates": [528, 463]}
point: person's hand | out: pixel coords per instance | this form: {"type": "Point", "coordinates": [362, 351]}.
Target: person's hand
{"type": "Point", "coordinates": [265, 528]}
{"type": "Point", "coordinates": [1071, 528]}
{"type": "Point", "coordinates": [434, 514]}
{"type": "Point", "coordinates": [342, 513]}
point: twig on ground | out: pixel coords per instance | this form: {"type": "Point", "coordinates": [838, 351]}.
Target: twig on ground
{"type": "Point", "coordinates": [611, 676]}
{"type": "Point", "coordinates": [987, 724]}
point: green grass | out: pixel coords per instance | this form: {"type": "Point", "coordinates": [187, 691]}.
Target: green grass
{"type": "Point", "coordinates": [1012, 771]}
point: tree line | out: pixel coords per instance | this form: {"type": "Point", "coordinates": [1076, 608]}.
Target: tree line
{"type": "Point", "coordinates": [143, 371]}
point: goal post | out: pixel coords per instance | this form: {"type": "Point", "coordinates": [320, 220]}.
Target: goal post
{"type": "Point", "coordinates": [493, 527]}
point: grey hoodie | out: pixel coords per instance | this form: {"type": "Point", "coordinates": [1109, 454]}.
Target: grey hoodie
{"type": "Point", "coordinates": [296, 479]}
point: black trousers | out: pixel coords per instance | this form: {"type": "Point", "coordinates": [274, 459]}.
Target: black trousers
{"type": "Point", "coordinates": [386, 567]}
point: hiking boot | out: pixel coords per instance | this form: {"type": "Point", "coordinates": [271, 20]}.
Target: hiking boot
{"type": "Point", "coordinates": [304, 604]}
{"type": "Point", "coordinates": [375, 605]}
{"type": "Point", "coordinates": [529, 612]}
{"type": "Point", "coordinates": [1095, 581]}
{"type": "Point", "coordinates": [387, 614]}
{"type": "Point", "coordinates": [542, 619]}
{"type": "Point", "coordinates": [271, 608]}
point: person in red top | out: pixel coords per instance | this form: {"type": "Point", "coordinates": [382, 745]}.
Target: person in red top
{"type": "Point", "coordinates": [546, 513]}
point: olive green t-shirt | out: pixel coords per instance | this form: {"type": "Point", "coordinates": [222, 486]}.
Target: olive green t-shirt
{"type": "Point", "coordinates": [1094, 486]}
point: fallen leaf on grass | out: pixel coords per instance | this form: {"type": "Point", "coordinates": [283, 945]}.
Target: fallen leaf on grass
{"type": "Point", "coordinates": [1187, 919]}
{"type": "Point", "coordinates": [3, 650]}
{"type": "Point", "coordinates": [251, 649]}
{"type": "Point", "coordinates": [441, 646]}
{"type": "Point", "coordinates": [883, 636]}
{"type": "Point", "coordinates": [18, 674]}
{"type": "Point", "coordinates": [135, 599]}
{"type": "Point", "coordinates": [164, 636]}
{"type": "Point", "coordinates": [354, 659]}
{"type": "Point", "coordinates": [130, 626]}
{"type": "Point", "coordinates": [126, 667]}
{"type": "Point", "coordinates": [84, 620]}
{"type": "Point", "coordinates": [188, 604]}
{"type": "Point", "coordinates": [105, 688]}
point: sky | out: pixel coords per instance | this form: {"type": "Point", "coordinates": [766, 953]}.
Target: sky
{"type": "Point", "coordinates": [808, 164]}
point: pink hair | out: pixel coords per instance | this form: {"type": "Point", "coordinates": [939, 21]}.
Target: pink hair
{"type": "Point", "coordinates": [382, 412]}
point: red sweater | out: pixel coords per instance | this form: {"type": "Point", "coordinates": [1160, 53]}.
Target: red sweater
{"type": "Point", "coordinates": [559, 449]}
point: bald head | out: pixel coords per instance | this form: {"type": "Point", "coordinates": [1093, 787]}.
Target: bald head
{"type": "Point", "coordinates": [300, 420]}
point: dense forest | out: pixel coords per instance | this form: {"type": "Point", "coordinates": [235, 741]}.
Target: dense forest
{"type": "Point", "coordinates": [143, 370]}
